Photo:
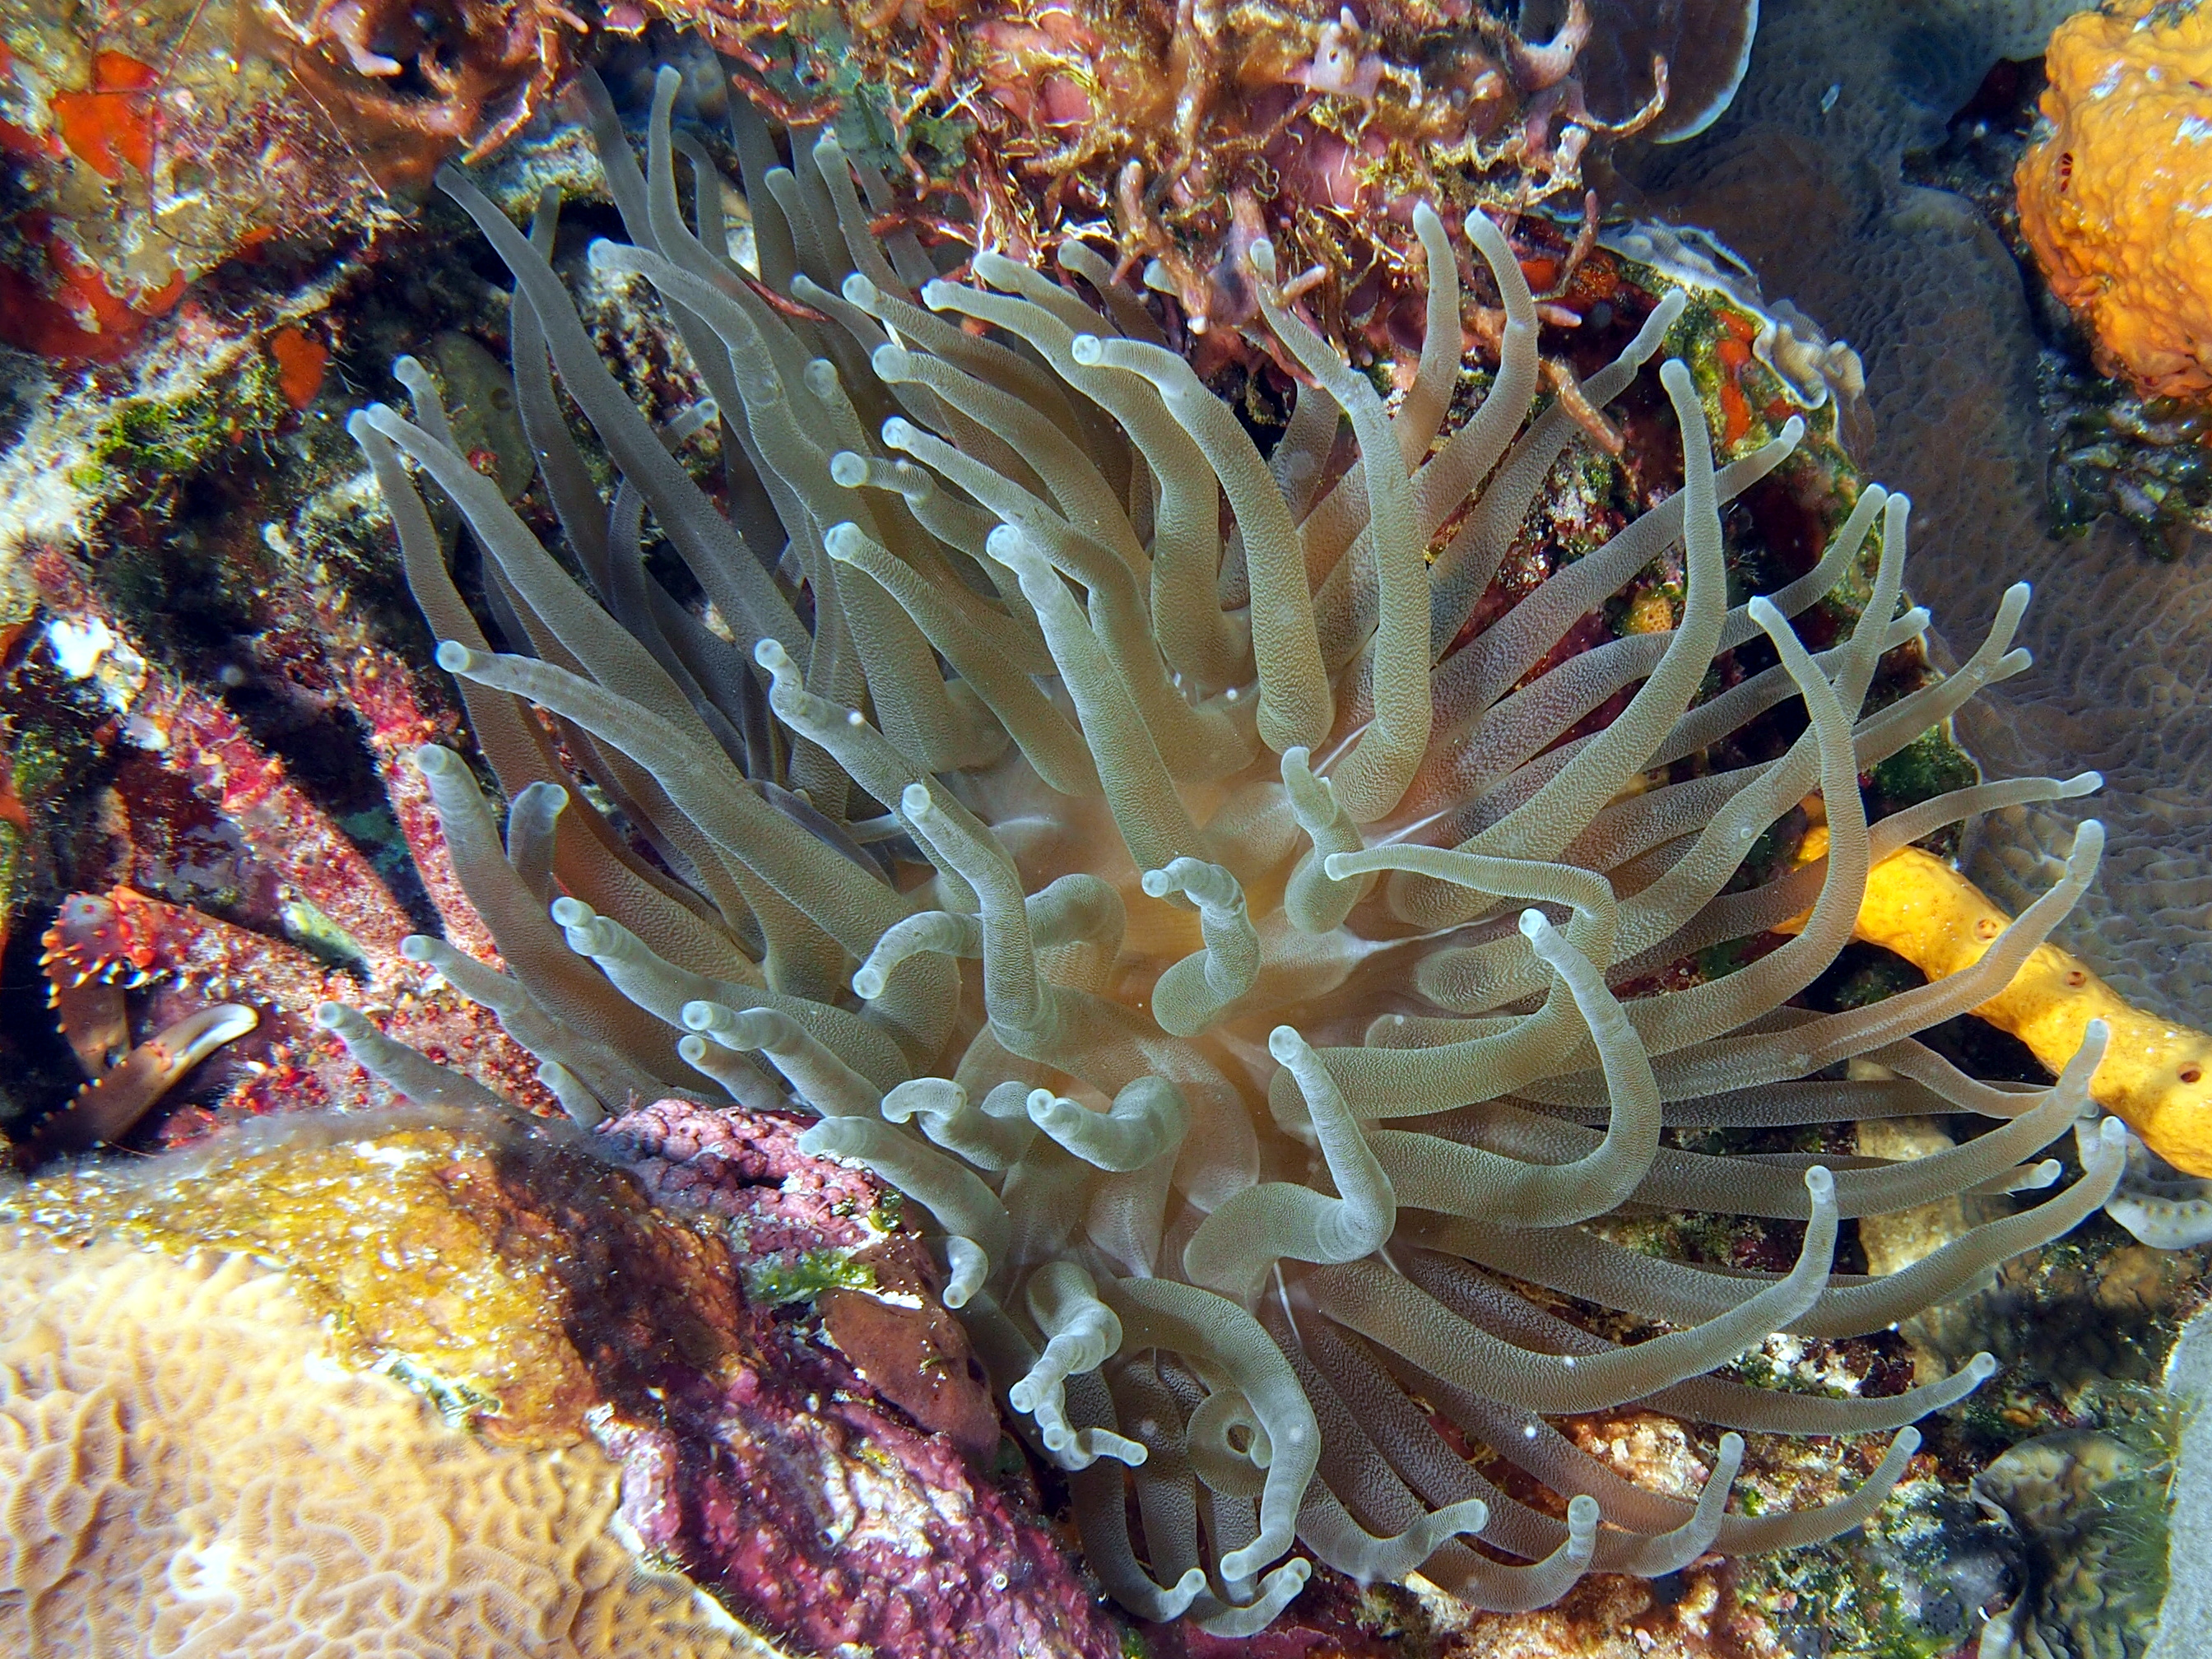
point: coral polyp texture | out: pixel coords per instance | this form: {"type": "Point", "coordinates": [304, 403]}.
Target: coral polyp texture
{"type": "Point", "coordinates": [1240, 898]}
{"type": "Point", "coordinates": [176, 1427]}
{"type": "Point", "coordinates": [527, 1288]}
{"type": "Point", "coordinates": [2114, 197]}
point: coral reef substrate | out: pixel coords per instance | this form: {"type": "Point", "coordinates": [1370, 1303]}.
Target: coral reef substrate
{"type": "Point", "coordinates": [528, 1289]}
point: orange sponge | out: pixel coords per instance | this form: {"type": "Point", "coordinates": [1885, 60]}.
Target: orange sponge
{"type": "Point", "coordinates": [2116, 202]}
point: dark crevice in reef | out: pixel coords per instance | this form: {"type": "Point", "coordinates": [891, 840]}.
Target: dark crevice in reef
{"type": "Point", "coordinates": [1863, 973]}
{"type": "Point", "coordinates": [40, 1068]}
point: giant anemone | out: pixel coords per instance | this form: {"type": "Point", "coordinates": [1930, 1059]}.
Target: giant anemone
{"type": "Point", "coordinates": [1129, 848]}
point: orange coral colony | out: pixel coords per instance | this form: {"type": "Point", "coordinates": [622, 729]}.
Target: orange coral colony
{"type": "Point", "coordinates": [2115, 200]}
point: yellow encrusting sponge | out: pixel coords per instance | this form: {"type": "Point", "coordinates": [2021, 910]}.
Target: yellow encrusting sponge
{"type": "Point", "coordinates": [2156, 1076]}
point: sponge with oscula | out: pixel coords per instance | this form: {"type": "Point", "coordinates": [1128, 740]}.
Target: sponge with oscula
{"type": "Point", "coordinates": [2117, 200]}
{"type": "Point", "coordinates": [2156, 1076]}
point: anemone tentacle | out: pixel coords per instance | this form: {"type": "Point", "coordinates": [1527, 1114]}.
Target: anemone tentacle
{"type": "Point", "coordinates": [1108, 834]}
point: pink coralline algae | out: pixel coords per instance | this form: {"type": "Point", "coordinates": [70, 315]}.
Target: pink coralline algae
{"type": "Point", "coordinates": [845, 1531]}
{"type": "Point", "coordinates": [804, 1502]}
{"type": "Point", "coordinates": [200, 789]}
{"type": "Point", "coordinates": [746, 1167]}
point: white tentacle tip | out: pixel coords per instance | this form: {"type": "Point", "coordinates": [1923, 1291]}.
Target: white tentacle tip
{"type": "Point", "coordinates": [967, 1267]}
{"type": "Point", "coordinates": [1287, 1045]}
{"type": "Point", "coordinates": [835, 1137]}
{"type": "Point", "coordinates": [455, 658]}
{"type": "Point", "coordinates": [1582, 1516]}
{"type": "Point", "coordinates": [1176, 1599]}
{"type": "Point", "coordinates": [1011, 549]}
{"type": "Point", "coordinates": [1246, 1562]}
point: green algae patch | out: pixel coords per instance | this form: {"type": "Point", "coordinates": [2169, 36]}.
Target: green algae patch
{"type": "Point", "coordinates": [469, 1263]}
{"type": "Point", "coordinates": [178, 435]}
{"type": "Point", "coordinates": [1930, 765]}
{"type": "Point", "coordinates": [774, 1282]}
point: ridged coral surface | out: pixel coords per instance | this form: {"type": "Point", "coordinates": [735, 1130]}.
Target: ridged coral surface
{"type": "Point", "coordinates": [527, 1288]}
{"type": "Point", "coordinates": [183, 1472]}
{"type": "Point", "coordinates": [2116, 201]}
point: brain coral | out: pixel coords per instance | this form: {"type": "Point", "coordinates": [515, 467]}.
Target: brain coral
{"type": "Point", "coordinates": [2116, 198]}
{"type": "Point", "coordinates": [183, 1471]}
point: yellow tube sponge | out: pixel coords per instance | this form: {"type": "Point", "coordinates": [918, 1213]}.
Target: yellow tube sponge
{"type": "Point", "coordinates": [2117, 200]}
{"type": "Point", "coordinates": [185, 1470]}
{"type": "Point", "coordinates": [2156, 1076]}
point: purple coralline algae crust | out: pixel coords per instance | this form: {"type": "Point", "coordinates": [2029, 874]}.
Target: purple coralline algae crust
{"type": "Point", "coordinates": [746, 1167]}
{"type": "Point", "coordinates": [782, 1484]}
{"type": "Point", "coordinates": [845, 1531]}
